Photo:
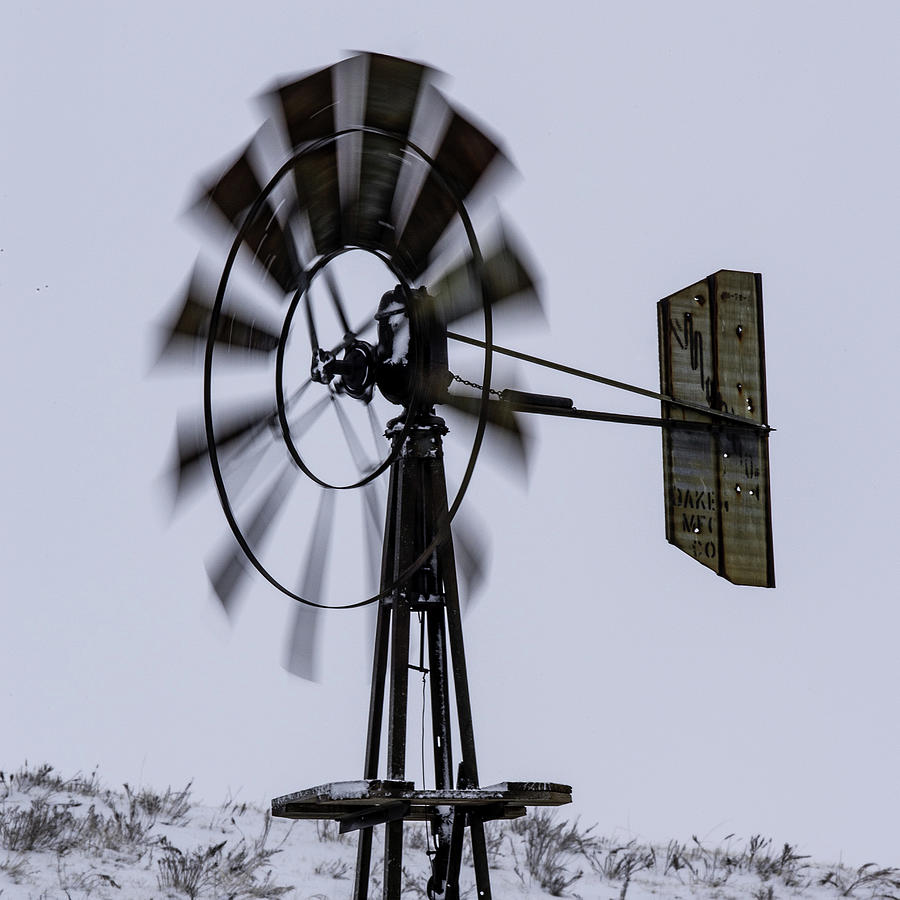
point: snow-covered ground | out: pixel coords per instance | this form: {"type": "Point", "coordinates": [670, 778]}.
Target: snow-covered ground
{"type": "Point", "coordinates": [74, 838]}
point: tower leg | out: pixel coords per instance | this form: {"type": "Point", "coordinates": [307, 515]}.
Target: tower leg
{"type": "Point", "coordinates": [377, 692]}
{"type": "Point", "coordinates": [479, 858]}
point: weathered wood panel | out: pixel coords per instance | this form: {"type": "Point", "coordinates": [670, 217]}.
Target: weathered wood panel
{"type": "Point", "coordinates": [716, 482]}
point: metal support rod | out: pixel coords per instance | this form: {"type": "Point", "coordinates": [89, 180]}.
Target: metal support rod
{"type": "Point", "coordinates": [407, 529]}
{"type": "Point", "coordinates": [393, 859]}
{"type": "Point", "coordinates": [376, 695]}
{"type": "Point", "coordinates": [479, 857]}
{"type": "Point", "coordinates": [440, 699]}
{"type": "Point", "coordinates": [456, 847]}
{"type": "Point", "coordinates": [655, 421]}
{"type": "Point", "coordinates": [435, 620]}
{"type": "Point", "coordinates": [469, 766]}
{"type": "Point", "coordinates": [609, 382]}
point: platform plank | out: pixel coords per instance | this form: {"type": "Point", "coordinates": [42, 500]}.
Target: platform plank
{"type": "Point", "coordinates": [339, 799]}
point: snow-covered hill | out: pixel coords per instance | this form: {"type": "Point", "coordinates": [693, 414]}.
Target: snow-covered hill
{"type": "Point", "coordinates": [72, 838]}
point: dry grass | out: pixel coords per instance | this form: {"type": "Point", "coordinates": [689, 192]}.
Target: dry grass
{"type": "Point", "coordinates": [90, 829]}
{"type": "Point", "coordinates": [242, 872]}
{"type": "Point", "coordinates": [549, 846]}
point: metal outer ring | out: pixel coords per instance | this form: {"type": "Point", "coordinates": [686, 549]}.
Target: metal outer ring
{"type": "Point", "coordinates": [279, 381]}
{"type": "Point", "coordinates": [443, 530]}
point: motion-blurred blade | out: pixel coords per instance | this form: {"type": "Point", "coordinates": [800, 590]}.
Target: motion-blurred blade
{"type": "Point", "coordinates": [187, 332]}
{"type": "Point", "coordinates": [373, 538]}
{"type": "Point", "coordinates": [393, 88]}
{"type": "Point", "coordinates": [464, 156]}
{"type": "Point", "coordinates": [337, 300]}
{"type": "Point", "coordinates": [504, 277]}
{"type": "Point", "coordinates": [358, 454]}
{"type": "Point", "coordinates": [301, 423]}
{"type": "Point", "coordinates": [305, 107]}
{"type": "Point", "coordinates": [373, 531]}
{"type": "Point", "coordinates": [239, 437]}
{"type": "Point", "coordinates": [227, 573]}
{"type": "Point", "coordinates": [232, 194]}
{"type": "Point", "coordinates": [236, 431]}
{"type": "Point", "coordinates": [316, 181]}
{"type": "Point", "coordinates": [471, 554]}
{"type": "Point", "coordinates": [307, 111]}
{"type": "Point", "coordinates": [374, 510]}
{"type": "Point", "coordinates": [317, 550]}
{"type": "Point", "coordinates": [300, 658]}
{"type": "Point", "coordinates": [501, 421]}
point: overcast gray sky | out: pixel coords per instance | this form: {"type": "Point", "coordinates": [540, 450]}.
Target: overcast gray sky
{"type": "Point", "coordinates": [656, 143]}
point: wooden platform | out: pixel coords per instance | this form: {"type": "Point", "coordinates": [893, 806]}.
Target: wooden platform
{"type": "Point", "coordinates": [377, 801]}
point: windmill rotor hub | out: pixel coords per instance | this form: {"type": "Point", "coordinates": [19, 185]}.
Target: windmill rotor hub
{"type": "Point", "coordinates": [412, 349]}
{"type": "Point", "coordinates": [356, 370]}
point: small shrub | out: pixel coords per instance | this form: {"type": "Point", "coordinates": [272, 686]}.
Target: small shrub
{"type": "Point", "coordinates": [233, 874]}
{"type": "Point", "coordinates": [337, 868]}
{"type": "Point", "coordinates": [414, 838]}
{"type": "Point", "coordinates": [239, 875]}
{"type": "Point", "coordinates": [124, 829]}
{"type": "Point", "coordinates": [548, 847]}
{"type": "Point", "coordinates": [46, 779]}
{"type": "Point", "coordinates": [620, 862]}
{"type": "Point", "coordinates": [881, 884]}
{"type": "Point", "coordinates": [328, 830]}
{"type": "Point", "coordinates": [41, 826]}
{"type": "Point", "coordinates": [83, 882]}
{"type": "Point", "coordinates": [787, 865]}
{"type": "Point", "coordinates": [414, 885]}
{"type": "Point", "coordinates": [494, 839]}
{"type": "Point", "coordinates": [711, 868]}
{"type": "Point", "coordinates": [676, 857]}
{"type": "Point", "coordinates": [16, 868]}
{"type": "Point", "coordinates": [226, 814]}
{"type": "Point", "coordinates": [188, 872]}
{"type": "Point", "coordinates": [171, 807]}
{"type": "Point", "coordinates": [42, 777]}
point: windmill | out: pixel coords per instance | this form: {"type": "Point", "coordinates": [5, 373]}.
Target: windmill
{"type": "Point", "coordinates": [367, 174]}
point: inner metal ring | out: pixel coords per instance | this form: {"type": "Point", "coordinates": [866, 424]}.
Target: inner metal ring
{"type": "Point", "coordinates": [279, 378]}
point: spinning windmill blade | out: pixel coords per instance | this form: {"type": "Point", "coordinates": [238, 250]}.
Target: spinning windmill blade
{"type": "Point", "coordinates": [272, 245]}
{"type": "Point", "coordinates": [243, 329]}
{"type": "Point", "coordinates": [464, 156]}
{"type": "Point", "coordinates": [301, 657]}
{"type": "Point", "coordinates": [307, 109]}
{"type": "Point", "coordinates": [511, 438]}
{"type": "Point", "coordinates": [504, 278]}
{"type": "Point", "coordinates": [227, 572]}
{"type": "Point", "coordinates": [391, 92]}
{"type": "Point", "coordinates": [236, 432]}
{"type": "Point", "coordinates": [243, 431]}
{"type": "Point", "coordinates": [357, 210]}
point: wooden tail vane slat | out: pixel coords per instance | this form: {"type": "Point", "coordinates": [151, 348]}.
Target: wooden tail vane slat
{"type": "Point", "coordinates": [716, 480]}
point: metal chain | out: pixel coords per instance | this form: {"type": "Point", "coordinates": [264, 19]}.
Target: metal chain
{"type": "Point", "coordinates": [471, 384]}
